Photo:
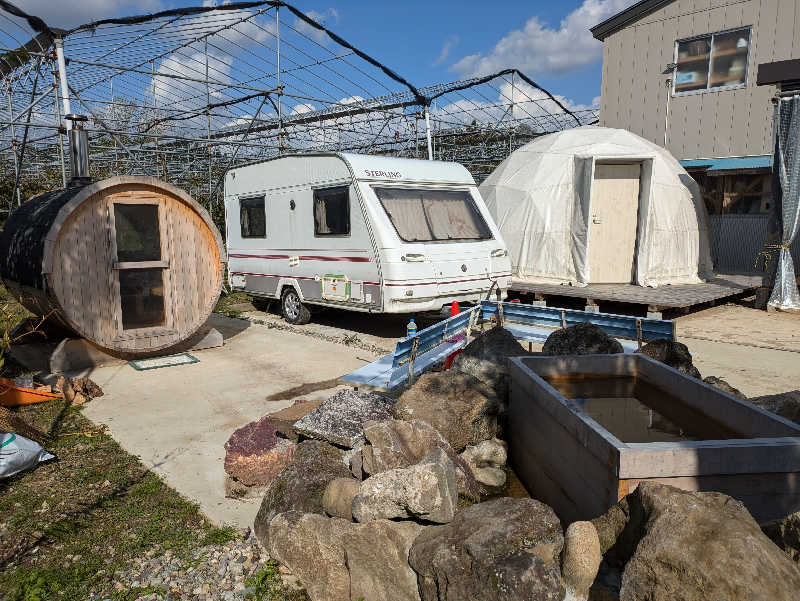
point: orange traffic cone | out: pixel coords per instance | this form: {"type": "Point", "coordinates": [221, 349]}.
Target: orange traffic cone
{"type": "Point", "coordinates": [454, 310]}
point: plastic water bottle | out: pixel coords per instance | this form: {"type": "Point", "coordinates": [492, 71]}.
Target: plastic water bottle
{"type": "Point", "coordinates": [411, 328]}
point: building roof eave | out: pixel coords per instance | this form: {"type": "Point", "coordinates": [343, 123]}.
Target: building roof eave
{"type": "Point", "coordinates": [623, 18]}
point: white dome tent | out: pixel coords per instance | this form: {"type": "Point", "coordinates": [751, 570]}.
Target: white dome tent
{"type": "Point", "coordinates": [599, 205]}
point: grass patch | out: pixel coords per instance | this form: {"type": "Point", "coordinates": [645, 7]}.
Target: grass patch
{"type": "Point", "coordinates": [11, 311]}
{"type": "Point", "coordinates": [268, 586]}
{"type": "Point", "coordinates": [67, 527]}
{"type": "Point", "coordinates": [233, 304]}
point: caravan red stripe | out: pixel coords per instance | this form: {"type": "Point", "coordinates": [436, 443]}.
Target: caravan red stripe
{"type": "Point", "coordinates": [271, 275]}
{"type": "Point", "coordinates": [289, 277]}
{"type": "Point", "coordinates": [502, 275]}
{"type": "Point", "coordinates": [303, 258]}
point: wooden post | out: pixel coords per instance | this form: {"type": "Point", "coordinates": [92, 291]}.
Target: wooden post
{"type": "Point", "coordinates": [639, 333]}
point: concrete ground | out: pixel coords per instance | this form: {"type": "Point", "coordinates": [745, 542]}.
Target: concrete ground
{"type": "Point", "coordinates": [379, 331]}
{"type": "Point", "coordinates": [755, 351]}
{"type": "Point", "coordinates": [177, 419]}
{"type": "Point", "coordinates": [738, 324]}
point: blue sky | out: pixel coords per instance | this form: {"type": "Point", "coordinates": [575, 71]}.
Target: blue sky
{"type": "Point", "coordinates": [429, 42]}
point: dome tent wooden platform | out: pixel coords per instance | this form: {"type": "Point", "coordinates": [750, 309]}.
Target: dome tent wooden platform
{"type": "Point", "coordinates": [132, 264]}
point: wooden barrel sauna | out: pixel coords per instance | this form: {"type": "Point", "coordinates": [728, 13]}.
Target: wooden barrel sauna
{"type": "Point", "coordinates": [132, 264]}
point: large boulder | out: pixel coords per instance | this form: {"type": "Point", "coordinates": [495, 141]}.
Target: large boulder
{"type": "Point", "coordinates": [301, 484]}
{"type": "Point", "coordinates": [398, 444]}
{"type": "Point", "coordinates": [674, 354]}
{"type": "Point", "coordinates": [337, 560]}
{"type": "Point", "coordinates": [285, 419]}
{"type": "Point", "coordinates": [786, 404]}
{"type": "Point", "coordinates": [786, 534]}
{"type": "Point", "coordinates": [462, 408]}
{"type": "Point", "coordinates": [486, 358]}
{"type": "Point", "coordinates": [377, 559]}
{"type": "Point", "coordinates": [493, 551]}
{"type": "Point", "coordinates": [340, 420]}
{"type": "Point", "coordinates": [581, 560]}
{"type": "Point", "coordinates": [254, 455]}
{"type": "Point", "coordinates": [580, 339]}
{"type": "Point", "coordinates": [311, 546]}
{"type": "Point", "coordinates": [693, 546]}
{"type": "Point", "coordinates": [337, 500]}
{"type": "Point", "coordinates": [426, 490]}
{"type": "Point", "coordinates": [487, 460]}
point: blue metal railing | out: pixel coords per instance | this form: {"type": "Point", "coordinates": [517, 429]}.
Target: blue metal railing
{"type": "Point", "coordinates": [619, 326]}
{"type": "Point", "coordinates": [433, 336]}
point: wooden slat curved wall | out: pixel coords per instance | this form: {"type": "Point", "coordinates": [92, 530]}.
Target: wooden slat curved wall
{"type": "Point", "coordinates": [80, 280]}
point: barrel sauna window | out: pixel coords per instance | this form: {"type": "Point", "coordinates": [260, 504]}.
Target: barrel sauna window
{"type": "Point", "coordinates": [139, 243]}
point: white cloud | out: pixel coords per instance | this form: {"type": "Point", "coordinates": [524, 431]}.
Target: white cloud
{"type": "Point", "coordinates": [303, 108]}
{"type": "Point", "coordinates": [522, 102]}
{"type": "Point", "coordinates": [66, 14]}
{"type": "Point", "coordinates": [322, 18]}
{"type": "Point", "coordinates": [541, 49]}
{"type": "Point", "coordinates": [450, 43]}
{"type": "Point", "coordinates": [184, 95]}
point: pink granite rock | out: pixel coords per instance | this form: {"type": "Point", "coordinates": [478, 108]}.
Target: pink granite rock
{"type": "Point", "coordinates": [254, 455]}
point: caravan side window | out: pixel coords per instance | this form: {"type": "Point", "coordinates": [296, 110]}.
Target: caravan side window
{"type": "Point", "coordinates": [332, 211]}
{"type": "Point", "coordinates": [252, 217]}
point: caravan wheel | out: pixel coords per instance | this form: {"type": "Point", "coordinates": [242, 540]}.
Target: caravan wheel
{"type": "Point", "coordinates": [292, 308]}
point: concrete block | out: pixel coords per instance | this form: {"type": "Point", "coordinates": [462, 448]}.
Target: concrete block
{"type": "Point", "coordinates": [75, 354]}
{"type": "Point", "coordinates": [210, 338]}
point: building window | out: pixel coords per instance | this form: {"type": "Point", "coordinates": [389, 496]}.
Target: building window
{"type": "Point", "coordinates": [253, 218]}
{"type": "Point", "coordinates": [711, 62]}
{"type": "Point", "coordinates": [332, 212]}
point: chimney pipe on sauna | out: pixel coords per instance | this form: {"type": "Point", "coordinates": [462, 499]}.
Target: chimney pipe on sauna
{"type": "Point", "coordinates": [78, 151]}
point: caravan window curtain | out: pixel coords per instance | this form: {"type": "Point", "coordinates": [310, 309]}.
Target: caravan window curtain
{"type": "Point", "coordinates": [332, 211]}
{"type": "Point", "coordinates": [253, 217]}
{"type": "Point", "coordinates": [425, 215]}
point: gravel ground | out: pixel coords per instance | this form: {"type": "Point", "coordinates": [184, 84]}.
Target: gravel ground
{"type": "Point", "coordinates": [215, 572]}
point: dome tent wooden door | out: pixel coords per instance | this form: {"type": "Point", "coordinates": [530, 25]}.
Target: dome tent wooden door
{"type": "Point", "coordinates": [132, 264]}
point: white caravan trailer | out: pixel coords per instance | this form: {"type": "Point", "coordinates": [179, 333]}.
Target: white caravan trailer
{"type": "Point", "coordinates": [361, 232]}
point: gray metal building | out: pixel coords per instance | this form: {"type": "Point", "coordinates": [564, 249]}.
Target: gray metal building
{"type": "Point", "coordinates": [682, 73]}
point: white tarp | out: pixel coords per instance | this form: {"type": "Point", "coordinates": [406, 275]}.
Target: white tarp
{"type": "Point", "coordinates": [785, 295]}
{"type": "Point", "coordinates": [540, 197]}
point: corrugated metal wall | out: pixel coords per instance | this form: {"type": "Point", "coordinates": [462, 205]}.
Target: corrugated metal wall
{"type": "Point", "coordinates": [737, 239]}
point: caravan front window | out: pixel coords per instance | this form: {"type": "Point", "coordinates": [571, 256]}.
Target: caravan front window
{"type": "Point", "coordinates": [426, 215]}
